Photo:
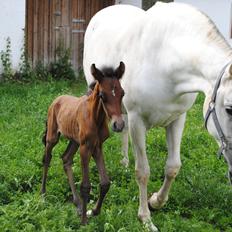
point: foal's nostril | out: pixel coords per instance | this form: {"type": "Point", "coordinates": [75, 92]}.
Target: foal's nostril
{"type": "Point", "coordinates": [114, 126]}
{"type": "Point", "coordinates": [118, 126]}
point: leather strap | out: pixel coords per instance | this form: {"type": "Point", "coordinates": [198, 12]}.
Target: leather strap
{"type": "Point", "coordinates": [212, 110]}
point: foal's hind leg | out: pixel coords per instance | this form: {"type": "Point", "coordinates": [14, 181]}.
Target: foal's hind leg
{"type": "Point", "coordinates": [47, 159]}
{"type": "Point", "coordinates": [67, 163]}
{"type": "Point", "coordinates": [85, 184]}
{"type": "Point", "coordinates": [104, 180]}
{"type": "Point", "coordinates": [174, 134]}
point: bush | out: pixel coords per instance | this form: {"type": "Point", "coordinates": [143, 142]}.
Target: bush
{"type": "Point", "coordinates": [61, 68]}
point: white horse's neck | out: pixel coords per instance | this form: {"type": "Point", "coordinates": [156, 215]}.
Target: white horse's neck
{"type": "Point", "coordinates": [212, 62]}
{"type": "Point", "coordinates": [203, 66]}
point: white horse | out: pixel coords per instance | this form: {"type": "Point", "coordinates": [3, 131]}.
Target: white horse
{"type": "Point", "coordinates": [171, 52]}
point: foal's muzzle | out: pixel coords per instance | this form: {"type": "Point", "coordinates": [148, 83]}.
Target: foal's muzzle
{"type": "Point", "coordinates": [117, 124]}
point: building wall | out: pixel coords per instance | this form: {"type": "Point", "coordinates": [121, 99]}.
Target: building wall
{"type": "Point", "coordinates": [137, 3]}
{"type": "Point", "coordinates": [12, 23]}
{"type": "Point", "coordinates": [218, 11]}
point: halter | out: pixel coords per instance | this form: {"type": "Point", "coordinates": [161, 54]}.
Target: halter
{"type": "Point", "coordinates": [212, 110]}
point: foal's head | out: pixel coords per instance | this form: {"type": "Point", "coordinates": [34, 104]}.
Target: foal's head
{"type": "Point", "coordinates": [110, 92]}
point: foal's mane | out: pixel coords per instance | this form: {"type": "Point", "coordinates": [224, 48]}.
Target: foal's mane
{"type": "Point", "coordinates": [91, 88]}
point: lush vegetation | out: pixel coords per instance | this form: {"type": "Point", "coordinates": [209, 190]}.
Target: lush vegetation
{"type": "Point", "coordinates": [59, 68]}
{"type": "Point", "coordinates": [200, 199]}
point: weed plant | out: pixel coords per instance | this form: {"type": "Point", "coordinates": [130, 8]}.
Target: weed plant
{"type": "Point", "coordinates": [5, 56]}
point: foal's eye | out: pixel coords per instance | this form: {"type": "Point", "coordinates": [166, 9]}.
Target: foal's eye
{"type": "Point", "coordinates": [102, 96]}
{"type": "Point", "coordinates": [229, 110]}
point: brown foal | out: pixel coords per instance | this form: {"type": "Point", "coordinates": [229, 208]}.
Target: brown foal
{"type": "Point", "coordinates": [84, 121]}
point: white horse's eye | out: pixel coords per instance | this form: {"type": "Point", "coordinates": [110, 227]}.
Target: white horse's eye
{"type": "Point", "coordinates": [229, 110]}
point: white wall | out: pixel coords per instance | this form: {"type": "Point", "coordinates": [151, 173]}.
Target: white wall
{"type": "Point", "coordinates": [218, 10]}
{"type": "Point", "coordinates": [12, 23]}
{"type": "Point", "coordinates": [137, 3]}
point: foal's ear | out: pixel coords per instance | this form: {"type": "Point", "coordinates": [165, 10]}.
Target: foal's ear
{"type": "Point", "coordinates": [120, 70]}
{"type": "Point", "coordinates": [97, 74]}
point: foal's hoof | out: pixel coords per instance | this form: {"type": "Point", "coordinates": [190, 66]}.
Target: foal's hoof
{"type": "Point", "coordinates": [42, 192]}
{"type": "Point", "coordinates": [155, 203]}
{"type": "Point", "coordinates": [125, 162]}
{"type": "Point", "coordinates": [79, 211]}
{"type": "Point", "coordinates": [84, 221]}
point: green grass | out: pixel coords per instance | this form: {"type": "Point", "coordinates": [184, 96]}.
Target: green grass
{"type": "Point", "coordinates": [200, 199]}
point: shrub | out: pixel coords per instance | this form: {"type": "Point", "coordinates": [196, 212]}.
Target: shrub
{"type": "Point", "coordinates": [61, 68]}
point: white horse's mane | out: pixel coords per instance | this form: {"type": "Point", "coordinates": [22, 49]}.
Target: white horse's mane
{"type": "Point", "coordinates": [191, 20]}
{"type": "Point", "coordinates": [214, 35]}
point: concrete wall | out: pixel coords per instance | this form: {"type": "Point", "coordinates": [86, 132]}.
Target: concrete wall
{"type": "Point", "coordinates": [218, 10]}
{"type": "Point", "coordinates": [12, 23]}
{"type": "Point", "coordinates": [137, 3]}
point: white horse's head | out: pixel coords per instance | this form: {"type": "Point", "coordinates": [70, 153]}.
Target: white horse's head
{"type": "Point", "coordinates": [218, 109]}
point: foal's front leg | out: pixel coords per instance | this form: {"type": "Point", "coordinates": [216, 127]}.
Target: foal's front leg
{"type": "Point", "coordinates": [85, 184]}
{"type": "Point", "coordinates": [46, 162]}
{"type": "Point", "coordinates": [104, 179]}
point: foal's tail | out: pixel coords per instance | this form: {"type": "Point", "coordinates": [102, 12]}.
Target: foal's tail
{"type": "Point", "coordinates": [45, 134]}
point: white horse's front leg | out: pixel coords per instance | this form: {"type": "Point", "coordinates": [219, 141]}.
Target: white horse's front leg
{"type": "Point", "coordinates": [173, 135]}
{"type": "Point", "coordinates": [142, 169]}
{"type": "Point", "coordinates": [125, 142]}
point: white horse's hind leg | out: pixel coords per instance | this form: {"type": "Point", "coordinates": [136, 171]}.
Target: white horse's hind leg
{"type": "Point", "coordinates": [125, 142]}
{"type": "Point", "coordinates": [142, 169]}
{"type": "Point", "coordinates": [173, 134]}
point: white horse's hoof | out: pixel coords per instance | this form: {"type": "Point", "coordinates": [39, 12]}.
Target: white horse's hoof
{"type": "Point", "coordinates": [125, 162]}
{"type": "Point", "coordinates": [155, 203]}
{"type": "Point", "coordinates": [150, 227]}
